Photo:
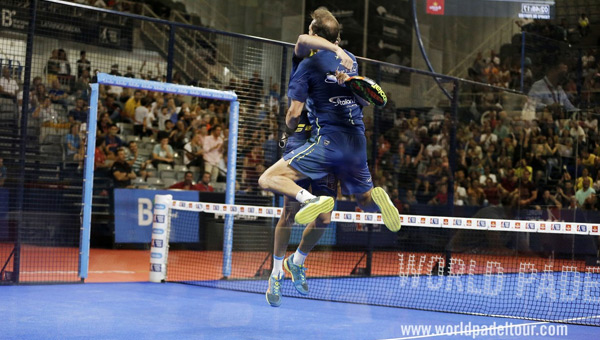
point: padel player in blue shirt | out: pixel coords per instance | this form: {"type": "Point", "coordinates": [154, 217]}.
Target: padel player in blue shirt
{"type": "Point", "coordinates": [339, 145]}
{"type": "Point", "coordinates": [327, 185]}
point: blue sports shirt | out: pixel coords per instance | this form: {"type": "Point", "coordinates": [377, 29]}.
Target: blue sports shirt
{"type": "Point", "coordinates": [331, 107]}
{"type": "Point", "coordinates": [303, 129]}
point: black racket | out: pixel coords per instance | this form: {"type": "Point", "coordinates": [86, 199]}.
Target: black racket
{"type": "Point", "coordinates": [367, 89]}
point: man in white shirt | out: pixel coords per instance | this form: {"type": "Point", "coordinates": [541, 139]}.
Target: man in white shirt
{"type": "Point", "coordinates": [548, 92]}
{"type": "Point", "coordinates": [142, 125]}
{"type": "Point", "coordinates": [8, 86]}
{"type": "Point", "coordinates": [213, 152]}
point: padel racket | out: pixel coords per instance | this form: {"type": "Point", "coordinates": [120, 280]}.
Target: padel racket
{"type": "Point", "coordinates": [367, 89]}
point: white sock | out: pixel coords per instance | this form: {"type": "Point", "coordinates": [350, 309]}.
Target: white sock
{"type": "Point", "coordinates": [299, 257]}
{"type": "Point", "coordinates": [303, 196]}
{"type": "Point", "coordinates": [277, 266]}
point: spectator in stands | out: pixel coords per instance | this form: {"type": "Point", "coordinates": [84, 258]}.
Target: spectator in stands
{"type": "Point", "coordinates": [163, 153]}
{"type": "Point", "coordinates": [548, 201]}
{"type": "Point", "coordinates": [441, 197]}
{"type": "Point", "coordinates": [101, 163]}
{"type": "Point", "coordinates": [142, 123]}
{"type": "Point", "coordinates": [8, 86]}
{"type": "Point", "coordinates": [585, 174]}
{"type": "Point", "coordinates": [104, 124]}
{"type": "Point", "coordinates": [58, 95]}
{"type": "Point", "coordinates": [64, 68]}
{"type": "Point", "coordinates": [52, 67]}
{"type": "Point", "coordinates": [475, 193]}
{"type": "Point", "coordinates": [167, 131]}
{"type": "Point", "coordinates": [113, 107]}
{"type": "Point", "coordinates": [186, 184]}
{"type": "Point", "coordinates": [128, 113]}
{"type": "Point", "coordinates": [45, 112]}
{"type": "Point", "coordinates": [121, 171]}
{"type": "Point", "coordinates": [172, 110]}
{"type": "Point", "coordinates": [129, 73]}
{"type": "Point", "coordinates": [586, 195]}
{"type": "Point", "coordinates": [3, 172]}
{"type": "Point", "coordinates": [136, 161]}
{"type": "Point", "coordinates": [82, 85]}
{"type": "Point", "coordinates": [491, 192]}
{"type": "Point", "coordinates": [548, 91]}
{"type": "Point", "coordinates": [113, 142]}
{"type": "Point", "coordinates": [114, 70]}
{"type": "Point", "coordinates": [179, 134]}
{"type": "Point", "coordinates": [213, 152]}
{"type": "Point", "coordinates": [80, 112]}
{"type": "Point", "coordinates": [204, 184]}
{"type": "Point", "coordinates": [584, 25]}
{"type": "Point", "coordinates": [83, 65]}
{"type": "Point", "coordinates": [527, 191]}
{"type": "Point", "coordinates": [194, 152]}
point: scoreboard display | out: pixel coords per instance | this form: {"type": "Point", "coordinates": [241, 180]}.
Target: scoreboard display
{"type": "Point", "coordinates": [536, 10]}
{"type": "Point", "coordinates": [532, 9]}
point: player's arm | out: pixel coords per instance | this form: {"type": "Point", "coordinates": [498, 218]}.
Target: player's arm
{"type": "Point", "coordinates": [341, 78]}
{"type": "Point", "coordinates": [293, 115]}
{"type": "Point", "coordinates": [291, 121]}
{"type": "Point", "coordinates": [306, 43]}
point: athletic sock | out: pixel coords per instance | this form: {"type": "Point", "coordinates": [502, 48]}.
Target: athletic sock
{"type": "Point", "coordinates": [299, 257]}
{"type": "Point", "coordinates": [277, 266]}
{"type": "Point", "coordinates": [303, 196]}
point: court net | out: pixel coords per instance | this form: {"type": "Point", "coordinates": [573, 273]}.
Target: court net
{"type": "Point", "coordinates": [512, 268]}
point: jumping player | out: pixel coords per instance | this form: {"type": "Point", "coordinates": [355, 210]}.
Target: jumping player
{"type": "Point", "coordinates": [338, 145]}
{"type": "Point", "coordinates": [291, 140]}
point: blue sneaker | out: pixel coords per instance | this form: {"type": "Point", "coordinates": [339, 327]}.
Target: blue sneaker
{"type": "Point", "coordinates": [298, 275]}
{"type": "Point", "coordinates": [273, 294]}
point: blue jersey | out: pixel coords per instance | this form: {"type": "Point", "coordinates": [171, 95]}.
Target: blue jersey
{"type": "Point", "coordinates": [303, 129]}
{"type": "Point", "coordinates": [331, 107]}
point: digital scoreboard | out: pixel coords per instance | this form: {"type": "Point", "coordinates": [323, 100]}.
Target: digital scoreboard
{"type": "Point", "coordinates": [532, 9]}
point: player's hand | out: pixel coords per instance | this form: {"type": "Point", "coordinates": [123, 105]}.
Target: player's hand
{"type": "Point", "coordinates": [341, 77]}
{"type": "Point", "coordinates": [346, 61]}
{"type": "Point", "coordinates": [283, 140]}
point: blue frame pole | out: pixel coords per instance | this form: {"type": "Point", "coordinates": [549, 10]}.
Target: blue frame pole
{"type": "Point", "coordinates": [88, 186]}
{"type": "Point", "coordinates": [230, 185]}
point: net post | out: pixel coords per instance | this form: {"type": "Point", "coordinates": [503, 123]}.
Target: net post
{"type": "Point", "coordinates": [230, 186]}
{"type": "Point", "coordinates": [159, 247]}
{"type": "Point", "coordinates": [88, 186]}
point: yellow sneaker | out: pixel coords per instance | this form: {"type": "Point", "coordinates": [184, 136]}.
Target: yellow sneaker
{"type": "Point", "coordinates": [389, 213]}
{"type": "Point", "coordinates": [312, 208]}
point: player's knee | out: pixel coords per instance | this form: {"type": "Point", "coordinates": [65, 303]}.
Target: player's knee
{"type": "Point", "coordinates": [264, 181]}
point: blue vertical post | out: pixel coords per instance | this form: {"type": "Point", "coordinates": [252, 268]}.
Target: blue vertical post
{"type": "Point", "coordinates": [230, 185]}
{"type": "Point", "coordinates": [23, 142]}
{"type": "Point", "coordinates": [522, 60]}
{"type": "Point", "coordinates": [170, 54]}
{"type": "Point", "coordinates": [88, 186]}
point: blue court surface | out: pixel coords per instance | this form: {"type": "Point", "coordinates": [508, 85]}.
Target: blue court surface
{"type": "Point", "coordinates": [177, 311]}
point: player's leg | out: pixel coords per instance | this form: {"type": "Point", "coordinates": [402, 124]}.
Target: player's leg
{"type": "Point", "coordinates": [356, 180]}
{"type": "Point", "coordinates": [281, 178]}
{"type": "Point", "coordinates": [377, 199]}
{"type": "Point", "coordinates": [311, 235]}
{"type": "Point", "coordinates": [283, 230]}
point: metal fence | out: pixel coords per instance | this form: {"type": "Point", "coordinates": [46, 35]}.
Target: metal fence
{"type": "Point", "coordinates": [441, 146]}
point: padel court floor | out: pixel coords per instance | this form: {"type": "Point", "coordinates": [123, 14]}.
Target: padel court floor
{"type": "Point", "coordinates": [116, 302]}
{"type": "Point", "coordinates": [176, 311]}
